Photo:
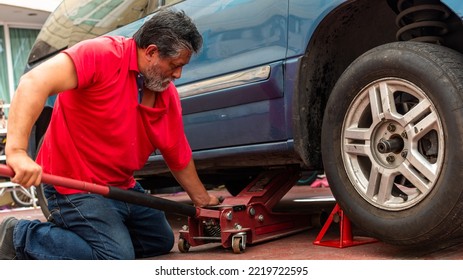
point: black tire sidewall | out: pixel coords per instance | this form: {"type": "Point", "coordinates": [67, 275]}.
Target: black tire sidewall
{"type": "Point", "coordinates": [422, 64]}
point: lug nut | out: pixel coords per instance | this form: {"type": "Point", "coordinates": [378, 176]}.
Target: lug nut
{"type": "Point", "coordinates": [390, 158]}
{"type": "Point", "coordinates": [404, 154]}
{"type": "Point", "coordinates": [391, 127]}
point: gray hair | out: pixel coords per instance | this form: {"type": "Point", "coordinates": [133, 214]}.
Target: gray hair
{"type": "Point", "coordinates": [171, 31]}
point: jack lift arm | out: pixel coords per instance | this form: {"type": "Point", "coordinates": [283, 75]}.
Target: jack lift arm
{"type": "Point", "coordinates": [247, 218]}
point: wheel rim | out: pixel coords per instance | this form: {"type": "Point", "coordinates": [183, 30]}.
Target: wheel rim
{"type": "Point", "coordinates": [392, 144]}
{"type": "Point", "coordinates": [24, 197]}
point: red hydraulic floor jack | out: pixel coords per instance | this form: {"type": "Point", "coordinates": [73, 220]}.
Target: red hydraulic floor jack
{"type": "Point", "coordinates": [247, 218]}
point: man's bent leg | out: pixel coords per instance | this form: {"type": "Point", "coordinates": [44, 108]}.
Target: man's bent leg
{"type": "Point", "coordinates": [85, 226]}
{"type": "Point", "coordinates": [46, 241]}
{"type": "Point", "coordinates": [150, 231]}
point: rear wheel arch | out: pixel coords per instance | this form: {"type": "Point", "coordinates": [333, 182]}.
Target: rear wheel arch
{"type": "Point", "coordinates": [338, 40]}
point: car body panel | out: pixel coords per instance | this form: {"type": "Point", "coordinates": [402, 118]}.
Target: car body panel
{"type": "Point", "coordinates": [236, 38]}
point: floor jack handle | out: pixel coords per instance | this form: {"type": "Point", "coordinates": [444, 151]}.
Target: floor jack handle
{"type": "Point", "coordinates": [114, 193]}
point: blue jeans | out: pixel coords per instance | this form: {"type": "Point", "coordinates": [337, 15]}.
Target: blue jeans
{"type": "Point", "coordinates": [90, 226]}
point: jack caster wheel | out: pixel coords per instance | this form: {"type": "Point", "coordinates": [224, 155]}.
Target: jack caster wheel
{"type": "Point", "coordinates": [183, 245]}
{"type": "Point", "coordinates": [238, 245]}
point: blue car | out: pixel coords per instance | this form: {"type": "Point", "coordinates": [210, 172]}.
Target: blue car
{"type": "Point", "coordinates": [369, 92]}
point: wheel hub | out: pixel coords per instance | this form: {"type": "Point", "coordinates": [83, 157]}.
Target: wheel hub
{"type": "Point", "coordinates": [389, 145]}
{"type": "Point", "coordinates": [393, 145]}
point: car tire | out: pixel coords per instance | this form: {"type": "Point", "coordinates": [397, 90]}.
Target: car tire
{"type": "Point", "coordinates": [392, 142]}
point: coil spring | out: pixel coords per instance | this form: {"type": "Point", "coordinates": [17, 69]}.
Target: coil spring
{"type": "Point", "coordinates": [211, 229]}
{"type": "Point", "coordinates": [423, 22]}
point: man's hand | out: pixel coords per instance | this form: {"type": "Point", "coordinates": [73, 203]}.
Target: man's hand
{"type": "Point", "coordinates": [27, 172]}
{"type": "Point", "coordinates": [213, 201]}
{"type": "Point", "coordinates": [189, 180]}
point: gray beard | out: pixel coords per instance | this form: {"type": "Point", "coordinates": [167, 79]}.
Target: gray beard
{"type": "Point", "coordinates": [154, 80]}
{"type": "Point", "coordinates": [155, 85]}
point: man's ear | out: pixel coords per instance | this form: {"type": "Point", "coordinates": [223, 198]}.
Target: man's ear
{"type": "Point", "coordinates": [151, 51]}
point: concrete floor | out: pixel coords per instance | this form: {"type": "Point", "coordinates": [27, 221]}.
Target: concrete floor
{"type": "Point", "coordinates": [298, 246]}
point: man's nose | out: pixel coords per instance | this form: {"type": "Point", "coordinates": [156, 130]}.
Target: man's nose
{"type": "Point", "coordinates": [177, 73]}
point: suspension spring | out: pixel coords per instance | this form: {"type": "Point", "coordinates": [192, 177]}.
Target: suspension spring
{"type": "Point", "coordinates": [422, 20]}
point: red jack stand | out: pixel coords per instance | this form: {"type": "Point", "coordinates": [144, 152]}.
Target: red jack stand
{"type": "Point", "coordinates": [346, 237]}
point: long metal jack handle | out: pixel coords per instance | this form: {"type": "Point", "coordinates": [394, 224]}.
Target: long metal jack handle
{"type": "Point", "coordinates": [114, 193]}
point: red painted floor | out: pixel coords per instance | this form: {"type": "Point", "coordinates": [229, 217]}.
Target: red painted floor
{"type": "Point", "coordinates": [298, 246]}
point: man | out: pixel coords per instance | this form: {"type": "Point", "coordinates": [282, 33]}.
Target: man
{"type": "Point", "coordinates": [117, 104]}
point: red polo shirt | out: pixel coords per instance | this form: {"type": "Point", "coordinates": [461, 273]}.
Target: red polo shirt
{"type": "Point", "coordinates": [99, 133]}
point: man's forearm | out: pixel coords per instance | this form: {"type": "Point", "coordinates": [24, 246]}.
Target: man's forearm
{"type": "Point", "coordinates": [24, 111]}
{"type": "Point", "coordinates": [189, 180]}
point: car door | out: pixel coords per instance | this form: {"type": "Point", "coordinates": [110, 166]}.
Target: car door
{"type": "Point", "coordinates": [232, 90]}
